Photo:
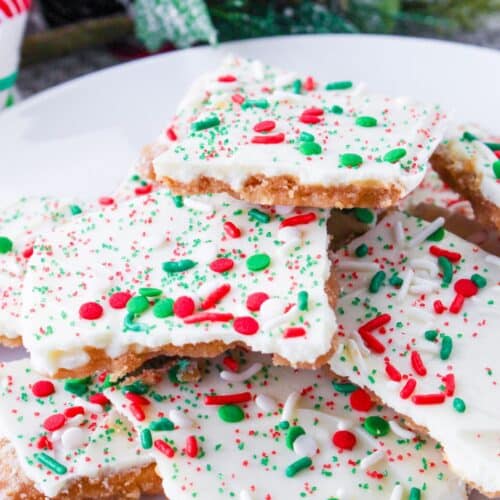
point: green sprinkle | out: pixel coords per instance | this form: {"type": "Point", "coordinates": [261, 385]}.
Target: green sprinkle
{"type": "Point", "coordinates": [5, 244]}
{"type": "Point", "coordinates": [296, 467]}
{"type": "Point", "coordinates": [297, 86]}
{"type": "Point", "coordinates": [494, 146]}
{"type": "Point", "coordinates": [361, 250]}
{"type": "Point", "coordinates": [395, 155]}
{"type": "Point", "coordinates": [213, 121]}
{"type": "Point", "coordinates": [163, 308]}
{"type": "Point", "coordinates": [376, 426]}
{"type": "Point", "coordinates": [178, 201]}
{"type": "Point", "coordinates": [51, 463]}
{"type": "Point", "coordinates": [395, 280]}
{"type": "Point", "coordinates": [479, 281]}
{"type": "Point", "coordinates": [337, 110]}
{"type": "Point", "coordinates": [303, 300]}
{"type": "Point", "coordinates": [292, 434]}
{"type": "Point", "coordinates": [343, 85]}
{"type": "Point", "coordinates": [446, 347]}
{"type": "Point", "coordinates": [150, 292]}
{"type": "Point", "coordinates": [75, 209]}
{"type": "Point", "coordinates": [431, 335]}
{"type": "Point", "coordinates": [467, 136]}
{"type": "Point", "coordinates": [231, 413]}
{"type": "Point", "coordinates": [78, 386]}
{"type": "Point", "coordinates": [137, 387]}
{"type": "Point", "coordinates": [306, 137]}
{"type": "Point", "coordinates": [364, 215]}
{"type": "Point", "coordinates": [176, 266]}
{"type": "Point", "coordinates": [258, 262]}
{"type": "Point", "coordinates": [284, 424]}
{"type": "Point", "coordinates": [310, 148]}
{"type": "Point", "coordinates": [129, 324]}
{"type": "Point", "coordinates": [437, 235]}
{"type": "Point", "coordinates": [255, 103]}
{"type": "Point", "coordinates": [377, 281]}
{"type": "Point", "coordinates": [137, 304]}
{"type": "Point", "coordinates": [344, 387]}
{"type": "Point", "coordinates": [447, 268]}
{"type": "Point", "coordinates": [162, 424]}
{"type": "Point", "coordinates": [366, 121]}
{"type": "Point", "coordinates": [146, 439]}
{"type": "Point", "coordinates": [350, 160]}
{"type": "Point", "coordinates": [459, 405]}
{"type": "Point", "coordinates": [496, 169]}
{"type": "Point", "coordinates": [258, 215]}
{"type": "Point", "coordinates": [414, 494]}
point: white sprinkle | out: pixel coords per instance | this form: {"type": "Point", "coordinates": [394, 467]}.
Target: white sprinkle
{"type": "Point", "coordinates": [91, 407]}
{"type": "Point", "coordinates": [180, 419]}
{"type": "Point", "coordinates": [419, 315]}
{"type": "Point", "coordinates": [198, 205]}
{"type": "Point", "coordinates": [423, 286]}
{"type": "Point", "coordinates": [258, 70]}
{"type": "Point", "coordinates": [207, 288]}
{"type": "Point", "coordinates": [403, 291]}
{"type": "Point", "coordinates": [75, 421]}
{"type": "Point", "coordinates": [340, 494]}
{"type": "Point", "coordinates": [423, 234]}
{"type": "Point", "coordinates": [428, 346]}
{"type": "Point", "coordinates": [305, 446]}
{"type": "Point", "coordinates": [73, 438]}
{"type": "Point", "coordinates": [291, 238]}
{"type": "Point", "coordinates": [355, 351]}
{"type": "Point", "coordinates": [266, 403]}
{"type": "Point", "coordinates": [371, 459]}
{"type": "Point", "coordinates": [425, 264]}
{"type": "Point", "coordinates": [284, 209]}
{"type": "Point", "coordinates": [356, 265]}
{"type": "Point", "coordinates": [244, 495]}
{"type": "Point", "coordinates": [285, 79]}
{"type": "Point", "coordinates": [271, 308]}
{"type": "Point", "coordinates": [492, 259]}
{"type": "Point", "coordinates": [241, 376]}
{"type": "Point", "coordinates": [288, 317]}
{"type": "Point", "coordinates": [365, 352]}
{"type": "Point", "coordinates": [397, 493]}
{"type": "Point", "coordinates": [399, 234]}
{"type": "Point", "coordinates": [343, 424]}
{"type": "Point", "coordinates": [290, 405]}
{"type": "Point", "coordinates": [400, 431]}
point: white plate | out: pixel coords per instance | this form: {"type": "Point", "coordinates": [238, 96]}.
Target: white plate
{"type": "Point", "coordinates": [80, 138]}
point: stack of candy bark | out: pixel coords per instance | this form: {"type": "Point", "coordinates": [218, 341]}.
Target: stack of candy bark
{"type": "Point", "coordinates": [256, 312]}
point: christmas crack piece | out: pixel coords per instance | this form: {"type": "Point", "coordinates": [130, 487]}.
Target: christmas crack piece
{"type": "Point", "coordinates": [162, 274]}
{"type": "Point", "coordinates": [418, 318]}
{"type": "Point", "coordinates": [471, 166]}
{"type": "Point", "coordinates": [271, 137]}
{"type": "Point", "coordinates": [62, 439]}
{"type": "Point", "coordinates": [249, 430]}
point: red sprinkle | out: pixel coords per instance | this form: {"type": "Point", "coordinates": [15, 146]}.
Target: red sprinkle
{"type": "Point", "coordinates": [106, 201]}
{"type": "Point", "coordinates": [456, 305]}
{"type": "Point", "coordinates": [429, 399]}
{"type": "Point", "coordinates": [137, 412]}
{"type": "Point", "coordinates": [392, 372]}
{"type": "Point", "coordinates": [441, 252]}
{"type": "Point", "coordinates": [255, 301]}
{"type": "Point", "coordinates": [216, 296]}
{"type": "Point", "coordinates": [226, 399]}
{"type": "Point", "coordinates": [449, 382]}
{"type": "Point", "coordinates": [238, 99]}
{"type": "Point", "coordinates": [184, 306]}
{"type": "Point", "coordinates": [371, 342]}
{"type": "Point", "coordinates": [44, 443]}
{"type": "Point", "coordinates": [310, 119]}
{"type": "Point", "coordinates": [73, 411]}
{"type": "Point", "coordinates": [91, 310]}
{"type": "Point", "coordinates": [345, 440]}
{"type": "Point", "coordinates": [208, 316]}
{"type": "Point", "coordinates": [408, 388]}
{"type": "Point", "coordinates": [296, 220]}
{"type": "Point", "coordinates": [191, 447]}
{"type": "Point", "coordinates": [137, 399]}
{"type": "Point", "coordinates": [143, 189]}
{"type": "Point", "coordinates": [119, 300]}
{"type": "Point", "coordinates": [360, 400]}
{"type": "Point", "coordinates": [466, 287]}
{"type": "Point", "coordinates": [439, 307]}
{"type": "Point", "coordinates": [221, 265]}
{"type": "Point", "coordinates": [231, 364]}
{"type": "Point", "coordinates": [418, 364]}
{"type": "Point", "coordinates": [313, 111]}
{"type": "Point", "coordinates": [309, 84]}
{"type": "Point", "coordinates": [265, 126]}
{"type": "Point", "coordinates": [246, 325]}
{"type": "Point", "coordinates": [99, 399]}
{"type": "Point", "coordinates": [28, 252]}
{"type": "Point", "coordinates": [268, 139]}
{"type": "Point", "coordinates": [226, 78]}
{"type": "Point", "coordinates": [43, 388]}
{"type": "Point", "coordinates": [232, 229]}
{"type": "Point", "coordinates": [54, 422]}
{"type": "Point", "coordinates": [375, 323]}
{"type": "Point", "coordinates": [294, 332]}
{"type": "Point", "coordinates": [171, 134]}
{"type": "Point", "coordinates": [164, 448]}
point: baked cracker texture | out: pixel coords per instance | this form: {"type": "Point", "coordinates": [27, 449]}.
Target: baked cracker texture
{"type": "Point", "coordinates": [463, 178]}
{"type": "Point", "coordinates": [129, 484]}
{"type": "Point", "coordinates": [12, 342]}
